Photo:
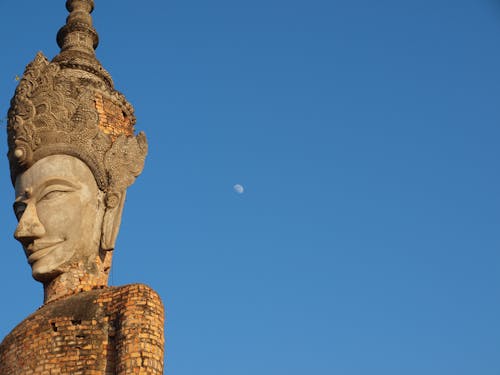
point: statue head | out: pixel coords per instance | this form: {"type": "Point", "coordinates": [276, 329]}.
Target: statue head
{"type": "Point", "coordinates": [72, 155]}
{"type": "Point", "coordinates": [64, 221]}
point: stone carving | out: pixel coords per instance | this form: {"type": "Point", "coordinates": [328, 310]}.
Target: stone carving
{"type": "Point", "coordinates": [53, 111]}
{"type": "Point", "coordinates": [72, 155]}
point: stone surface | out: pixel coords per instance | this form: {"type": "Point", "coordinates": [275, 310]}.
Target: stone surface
{"type": "Point", "coordinates": [72, 155]}
{"type": "Point", "coordinates": [61, 214]}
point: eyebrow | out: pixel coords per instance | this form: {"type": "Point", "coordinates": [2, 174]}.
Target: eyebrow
{"type": "Point", "coordinates": [68, 181]}
{"type": "Point", "coordinates": [59, 180]}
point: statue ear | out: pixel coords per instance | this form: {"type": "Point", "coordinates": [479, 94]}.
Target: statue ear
{"type": "Point", "coordinates": [112, 219]}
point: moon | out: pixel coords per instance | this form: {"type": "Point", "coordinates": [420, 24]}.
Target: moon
{"type": "Point", "coordinates": [239, 189]}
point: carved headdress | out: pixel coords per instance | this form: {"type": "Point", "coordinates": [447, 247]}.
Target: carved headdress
{"type": "Point", "coordinates": [69, 106]}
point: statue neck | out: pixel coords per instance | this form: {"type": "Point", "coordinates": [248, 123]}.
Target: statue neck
{"type": "Point", "coordinates": [78, 278]}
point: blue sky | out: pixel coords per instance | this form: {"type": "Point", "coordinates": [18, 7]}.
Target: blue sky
{"type": "Point", "coordinates": [366, 135]}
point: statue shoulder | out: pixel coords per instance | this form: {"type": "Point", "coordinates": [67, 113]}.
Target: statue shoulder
{"type": "Point", "coordinates": [140, 324]}
{"type": "Point", "coordinates": [136, 294]}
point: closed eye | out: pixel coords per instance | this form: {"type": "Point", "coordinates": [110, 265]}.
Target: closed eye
{"type": "Point", "coordinates": [53, 194]}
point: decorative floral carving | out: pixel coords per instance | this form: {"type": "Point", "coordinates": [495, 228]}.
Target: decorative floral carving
{"type": "Point", "coordinates": [58, 110]}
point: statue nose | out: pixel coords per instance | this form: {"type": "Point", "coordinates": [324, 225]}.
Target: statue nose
{"type": "Point", "coordinates": [29, 226]}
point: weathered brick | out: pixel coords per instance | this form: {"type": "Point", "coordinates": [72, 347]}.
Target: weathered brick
{"type": "Point", "coordinates": [103, 331]}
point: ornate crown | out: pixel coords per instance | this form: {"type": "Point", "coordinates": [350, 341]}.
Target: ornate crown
{"type": "Point", "coordinates": [69, 106]}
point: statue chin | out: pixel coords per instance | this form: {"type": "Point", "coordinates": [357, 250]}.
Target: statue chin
{"type": "Point", "coordinates": [47, 269]}
{"type": "Point", "coordinates": [43, 275]}
{"type": "Point", "coordinates": [48, 263]}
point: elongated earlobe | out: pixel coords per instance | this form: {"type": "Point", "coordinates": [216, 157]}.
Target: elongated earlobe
{"type": "Point", "coordinates": [112, 219]}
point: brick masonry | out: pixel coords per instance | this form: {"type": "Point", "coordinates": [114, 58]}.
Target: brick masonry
{"type": "Point", "coordinates": [112, 120]}
{"type": "Point", "coordinates": [112, 330]}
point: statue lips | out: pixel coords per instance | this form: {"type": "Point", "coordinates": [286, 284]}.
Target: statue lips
{"type": "Point", "coordinates": [38, 250]}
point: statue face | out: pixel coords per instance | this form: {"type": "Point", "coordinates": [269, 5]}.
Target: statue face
{"type": "Point", "coordinates": [59, 208]}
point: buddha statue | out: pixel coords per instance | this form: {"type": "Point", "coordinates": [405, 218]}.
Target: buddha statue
{"type": "Point", "coordinates": [72, 155]}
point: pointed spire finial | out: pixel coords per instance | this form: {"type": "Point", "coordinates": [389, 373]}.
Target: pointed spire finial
{"type": "Point", "coordinates": [78, 40]}
{"type": "Point", "coordinates": [78, 34]}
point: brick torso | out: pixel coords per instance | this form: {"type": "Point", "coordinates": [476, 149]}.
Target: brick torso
{"type": "Point", "coordinates": [115, 330]}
